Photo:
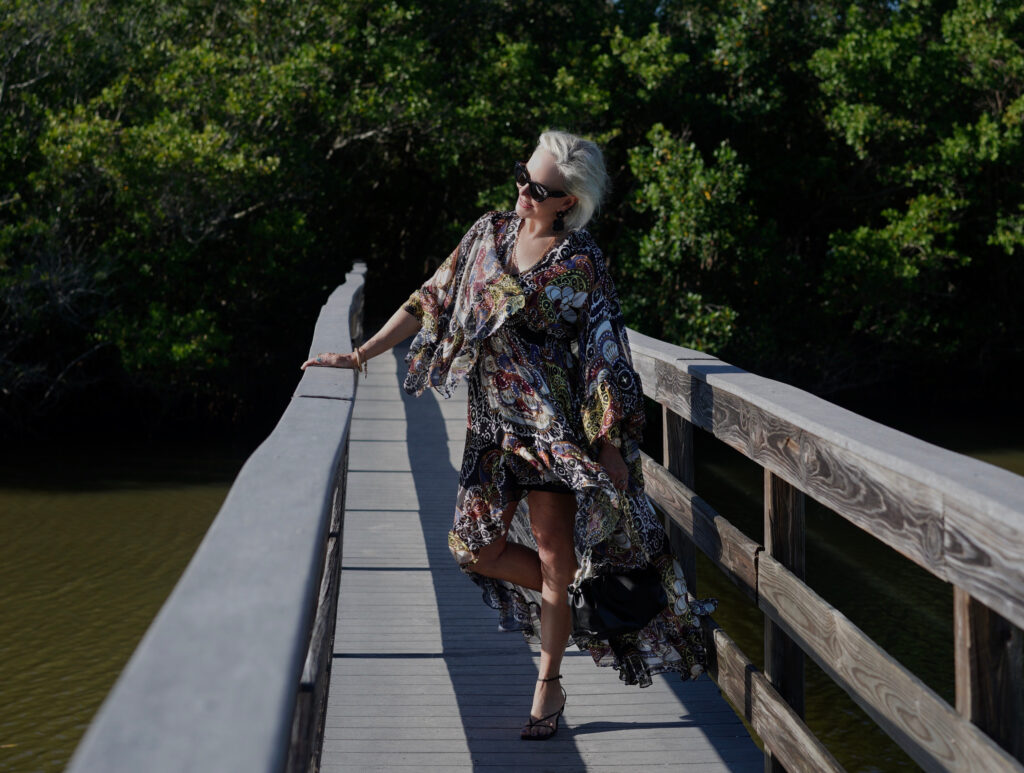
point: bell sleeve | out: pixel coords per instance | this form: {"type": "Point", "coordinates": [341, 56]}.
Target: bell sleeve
{"type": "Point", "coordinates": [613, 405]}
{"type": "Point", "coordinates": [463, 301]}
{"type": "Point", "coordinates": [433, 298]}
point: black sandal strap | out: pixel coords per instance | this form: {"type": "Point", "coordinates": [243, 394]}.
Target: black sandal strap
{"type": "Point", "coordinates": [550, 678]}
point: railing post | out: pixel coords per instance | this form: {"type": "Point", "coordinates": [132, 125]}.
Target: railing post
{"type": "Point", "coordinates": [677, 453]}
{"type": "Point", "coordinates": [989, 657]}
{"type": "Point", "coordinates": [784, 541]}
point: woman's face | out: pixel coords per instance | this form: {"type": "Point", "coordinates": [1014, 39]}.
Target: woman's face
{"type": "Point", "coordinates": [542, 169]}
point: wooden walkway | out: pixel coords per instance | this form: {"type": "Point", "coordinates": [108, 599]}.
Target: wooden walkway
{"type": "Point", "coordinates": [421, 676]}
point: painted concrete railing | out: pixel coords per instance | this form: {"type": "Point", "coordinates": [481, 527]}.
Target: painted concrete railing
{"type": "Point", "coordinates": [960, 519]}
{"type": "Point", "coordinates": [232, 674]}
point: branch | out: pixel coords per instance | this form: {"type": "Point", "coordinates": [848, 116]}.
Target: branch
{"type": "Point", "coordinates": [341, 142]}
{"type": "Point", "coordinates": [249, 211]}
{"type": "Point", "coordinates": [70, 365]}
{"type": "Point", "coordinates": [26, 84]}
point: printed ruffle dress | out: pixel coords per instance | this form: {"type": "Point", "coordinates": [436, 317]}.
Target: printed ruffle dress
{"type": "Point", "coordinates": [547, 361]}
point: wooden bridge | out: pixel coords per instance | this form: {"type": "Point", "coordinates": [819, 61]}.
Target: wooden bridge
{"type": "Point", "coordinates": [323, 625]}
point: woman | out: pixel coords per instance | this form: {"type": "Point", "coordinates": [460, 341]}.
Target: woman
{"type": "Point", "coordinates": [525, 310]}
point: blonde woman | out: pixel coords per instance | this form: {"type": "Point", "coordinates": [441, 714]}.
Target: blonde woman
{"type": "Point", "coordinates": [525, 310]}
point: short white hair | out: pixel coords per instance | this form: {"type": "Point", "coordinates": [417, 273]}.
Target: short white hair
{"type": "Point", "coordinates": [582, 167]}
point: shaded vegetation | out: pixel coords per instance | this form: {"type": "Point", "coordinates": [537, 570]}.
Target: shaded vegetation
{"type": "Point", "coordinates": [824, 192]}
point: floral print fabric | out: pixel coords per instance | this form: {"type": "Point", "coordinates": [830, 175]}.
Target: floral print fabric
{"type": "Point", "coordinates": [547, 360]}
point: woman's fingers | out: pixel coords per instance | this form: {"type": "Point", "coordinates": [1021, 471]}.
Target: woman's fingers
{"type": "Point", "coordinates": [330, 360]}
{"type": "Point", "coordinates": [320, 361]}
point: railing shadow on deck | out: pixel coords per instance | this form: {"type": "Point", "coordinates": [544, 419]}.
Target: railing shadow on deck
{"type": "Point", "coordinates": [430, 460]}
{"type": "Point", "coordinates": [515, 660]}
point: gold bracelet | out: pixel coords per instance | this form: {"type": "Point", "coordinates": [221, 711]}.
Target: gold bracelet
{"type": "Point", "coordinates": [363, 366]}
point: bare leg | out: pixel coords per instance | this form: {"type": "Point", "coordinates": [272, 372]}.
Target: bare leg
{"type": "Point", "coordinates": [551, 518]}
{"type": "Point", "coordinates": [509, 561]}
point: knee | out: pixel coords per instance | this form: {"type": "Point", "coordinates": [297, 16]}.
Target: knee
{"type": "Point", "coordinates": [557, 561]}
{"type": "Point", "coordinates": [489, 555]}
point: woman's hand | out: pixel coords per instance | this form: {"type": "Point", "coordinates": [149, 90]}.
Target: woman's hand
{"type": "Point", "coordinates": [331, 360]}
{"type": "Point", "coordinates": [401, 325]}
{"type": "Point", "coordinates": [610, 458]}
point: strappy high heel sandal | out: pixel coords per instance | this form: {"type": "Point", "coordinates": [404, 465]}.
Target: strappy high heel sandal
{"type": "Point", "coordinates": [545, 722]}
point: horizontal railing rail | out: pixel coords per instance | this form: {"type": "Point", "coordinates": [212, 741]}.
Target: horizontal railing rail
{"type": "Point", "coordinates": [232, 674]}
{"type": "Point", "coordinates": [959, 518]}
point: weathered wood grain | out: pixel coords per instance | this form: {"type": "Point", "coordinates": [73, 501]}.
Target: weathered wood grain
{"type": "Point", "coordinates": [913, 715]}
{"type": "Point", "coordinates": [983, 551]}
{"type": "Point", "coordinates": [783, 541]}
{"type": "Point", "coordinates": [727, 547]}
{"type": "Point", "coordinates": [989, 653]}
{"type": "Point", "coordinates": [677, 450]}
{"type": "Point", "coordinates": [961, 519]}
{"type": "Point", "coordinates": [750, 693]}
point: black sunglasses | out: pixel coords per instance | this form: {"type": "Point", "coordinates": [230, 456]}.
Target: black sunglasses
{"type": "Point", "coordinates": [537, 191]}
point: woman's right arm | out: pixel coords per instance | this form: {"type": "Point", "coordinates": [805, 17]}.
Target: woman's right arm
{"type": "Point", "coordinates": [423, 307]}
{"type": "Point", "coordinates": [401, 325]}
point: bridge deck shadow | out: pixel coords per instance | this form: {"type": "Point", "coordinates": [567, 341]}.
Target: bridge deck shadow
{"type": "Point", "coordinates": [421, 676]}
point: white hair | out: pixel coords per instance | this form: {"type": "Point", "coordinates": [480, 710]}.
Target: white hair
{"type": "Point", "coordinates": [582, 167]}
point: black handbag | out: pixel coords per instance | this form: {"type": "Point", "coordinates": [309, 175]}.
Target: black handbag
{"type": "Point", "coordinates": [613, 604]}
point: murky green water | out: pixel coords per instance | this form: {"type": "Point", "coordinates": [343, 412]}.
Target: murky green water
{"type": "Point", "coordinates": [94, 539]}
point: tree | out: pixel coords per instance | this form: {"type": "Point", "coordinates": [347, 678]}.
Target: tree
{"type": "Point", "coordinates": [820, 191]}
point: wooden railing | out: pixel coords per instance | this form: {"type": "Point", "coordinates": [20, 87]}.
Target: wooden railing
{"type": "Point", "coordinates": [232, 675]}
{"type": "Point", "coordinates": [960, 519]}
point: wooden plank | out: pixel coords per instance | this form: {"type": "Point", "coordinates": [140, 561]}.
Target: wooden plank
{"type": "Point", "coordinates": [644, 345]}
{"type": "Point", "coordinates": [904, 514]}
{"type": "Point", "coordinates": [983, 552]}
{"type": "Point", "coordinates": [913, 715]}
{"type": "Point", "coordinates": [433, 681]}
{"type": "Point", "coordinates": [679, 461]}
{"type": "Point", "coordinates": [782, 730]}
{"type": "Point", "coordinates": [784, 541]}
{"type": "Point", "coordinates": [307, 723]}
{"type": "Point", "coordinates": [311, 702]}
{"type": "Point", "coordinates": [728, 548]}
{"type": "Point", "coordinates": [989, 672]}
{"type": "Point", "coordinates": [961, 519]}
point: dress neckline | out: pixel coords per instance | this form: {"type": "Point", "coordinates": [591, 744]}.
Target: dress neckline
{"type": "Point", "coordinates": [514, 226]}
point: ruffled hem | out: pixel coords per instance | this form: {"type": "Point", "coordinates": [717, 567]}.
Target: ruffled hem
{"type": "Point", "coordinates": [672, 641]}
{"type": "Point", "coordinates": [515, 611]}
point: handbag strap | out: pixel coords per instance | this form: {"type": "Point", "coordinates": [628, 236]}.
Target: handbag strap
{"type": "Point", "coordinates": [582, 573]}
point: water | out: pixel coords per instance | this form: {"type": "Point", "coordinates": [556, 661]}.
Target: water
{"type": "Point", "coordinates": [94, 540]}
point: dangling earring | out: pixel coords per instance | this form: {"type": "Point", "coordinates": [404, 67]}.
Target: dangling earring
{"type": "Point", "coordinates": [559, 222]}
